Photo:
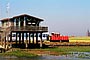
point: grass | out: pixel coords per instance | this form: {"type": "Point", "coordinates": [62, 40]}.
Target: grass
{"type": "Point", "coordinates": [61, 50]}
{"type": "Point", "coordinates": [76, 48]}
{"type": "Point", "coordinates": [67, 49]}
{"type": "Point", "coordinates": [18, 53]}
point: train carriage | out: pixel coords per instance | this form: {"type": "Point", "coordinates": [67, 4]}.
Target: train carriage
{"type": "Point", "coordinates": [56, 37]}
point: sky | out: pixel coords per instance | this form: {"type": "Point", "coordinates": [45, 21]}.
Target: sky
{"type": "Point", "coordinates": [68, 17]}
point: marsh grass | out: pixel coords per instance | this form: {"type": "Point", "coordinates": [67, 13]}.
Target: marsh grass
{"type": "Point", "coordinates": [67, 49]}
{"type": "Point", "coordinates": [18, 53]}
{"type": "Point", "coordinates": [61, 50]}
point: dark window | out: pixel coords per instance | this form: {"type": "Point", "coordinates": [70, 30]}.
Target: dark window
{"type": "Point", "coordinates": [13, 35]}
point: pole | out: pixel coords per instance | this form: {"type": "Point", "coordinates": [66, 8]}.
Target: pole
{"type": "Point", "coordinates": [7, 11]}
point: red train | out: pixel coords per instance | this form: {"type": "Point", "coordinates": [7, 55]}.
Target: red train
{"type": "Point", "coordinates": [55, 37]}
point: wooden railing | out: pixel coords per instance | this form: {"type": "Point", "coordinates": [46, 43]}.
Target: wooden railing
{"type": "Point", "coordinates": [30, 28]}
{"type": "Point", "coordinates": [5, 31]}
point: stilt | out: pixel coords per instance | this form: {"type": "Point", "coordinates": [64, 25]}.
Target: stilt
{"type": "Point", "coordinates": [5, 42]}
{"type": "Point", "coordinates": [16, 38]}
{"type": "Point", "coordinates": [29, 38]}
{"type": "Point", "coordinates": [1, 41]}
{"type": "Point", "coordinates": [33, 38]}
{"type": "Point", "coordinates": [11, 39]}
{"type": "Point", "coordinates": [26, 36]}
{"type": "Point", "coordinates": [19, 39]}
{"type": "Point", "coordinates": [41, 40]}
{"type": "Point", "coordinates": [26, 41]}
{"type": "Point", "coordinates": [23, 46]}
{"type": "Point", "coordinates": [23, 38]}
{"type": "Point", "coordinates": [36, 38]}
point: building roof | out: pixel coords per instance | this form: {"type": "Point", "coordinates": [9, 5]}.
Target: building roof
{"type": "Point", "coordinates": [6, 19]}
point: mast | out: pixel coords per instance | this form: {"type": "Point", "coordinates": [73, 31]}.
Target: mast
{"type": "Point", "coordinates": [8, 7]}
{"type": "Point", "coordinates": [0, 15]}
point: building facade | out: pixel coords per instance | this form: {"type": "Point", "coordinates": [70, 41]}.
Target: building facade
{"type": "Point", "coordinates": [23, 26]}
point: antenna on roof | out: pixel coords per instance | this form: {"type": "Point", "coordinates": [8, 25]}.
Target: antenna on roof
{"type": "Point", "coordinates": [0, 11]}
{"type": "Point", "coordinates": [0, 15]}
{"type": "Point", "coordinates": [7, 11]}
{"type": "Point", "coordinates": [8, 7]}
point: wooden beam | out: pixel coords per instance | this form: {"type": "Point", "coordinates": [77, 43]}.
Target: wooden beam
{"type": "Point", "coordinates": [19, 38]}
{"type": "Point", "coordinates": [22, 37]}
{"type": "Point", "coordinates": [5, 42]}
{"type": "Point", "coordinates": [26, 40]}
{"type": "Point", "coordinates": [41, 40]}
{"type": "Point", "coordinates": [11, 39]}
{"type": "Point", "coordinates": [33, 37]}
{"type": "Point", "coordinates": [36, 38]}
{"type": "Point", "coordinates": [16, 37]}
{"type": "Point", "coordinates": [29, 38]}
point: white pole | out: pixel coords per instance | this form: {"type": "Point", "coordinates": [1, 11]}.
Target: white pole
{"type": "Point", "coordinates": [8, 7]}
{"type": "Point", "coordinates": [0, 15]}
{"type": "Point", "coordinates": [14, 22]}
{"type": "Point", "coordinates": [19, 22]}
{"type": "Point", "coordinates": [0, 11]}
{"type": "Point", "coordinates": [24, 21]}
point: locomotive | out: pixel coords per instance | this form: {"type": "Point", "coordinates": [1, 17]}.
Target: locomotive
{"type": "Point", "coordinates": [56, 37]}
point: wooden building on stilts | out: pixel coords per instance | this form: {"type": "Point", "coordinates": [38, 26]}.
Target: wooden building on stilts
{"type": "Point", "coordinates": [21, 25]}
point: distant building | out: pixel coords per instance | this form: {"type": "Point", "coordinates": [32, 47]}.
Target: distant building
{"type": "Point", "coordinates": [88, 33]}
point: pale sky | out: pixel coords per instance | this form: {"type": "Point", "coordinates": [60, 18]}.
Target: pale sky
{"type": "Point", "coordinates": [68, 17]}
